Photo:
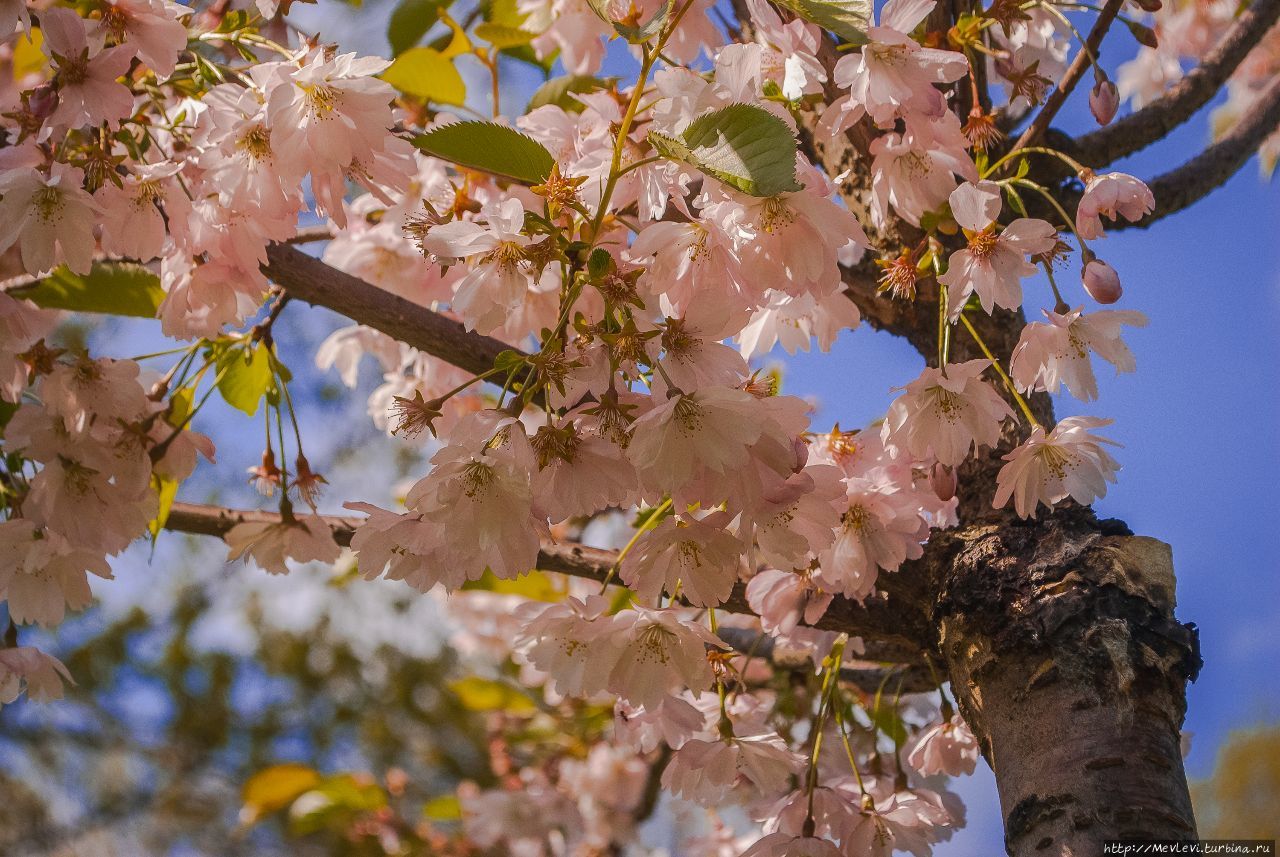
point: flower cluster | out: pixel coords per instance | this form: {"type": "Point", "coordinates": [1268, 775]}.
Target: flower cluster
{"type": "Point", "coordinates": [640, 245]}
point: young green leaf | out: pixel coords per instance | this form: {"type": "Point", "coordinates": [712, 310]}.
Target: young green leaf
{"type": "Point", "coordinates": [427, 74]}
{"type": "Point", "coordinates": [115, 288]}
{"type": "Point", "coordinates": [848, 19]}
{"type": "Point", "coordinates": [491, 148]}
{"type": "Point", "coordinates": [410, 21]}
{"type": "Point", "coordinates": [502, 36]}
{"type": "Point", "coordinates": [560, 91]}
{"type": "Point", "coordinates": [244, 375]}
{"type": "Point", "coordinates": [746, 147]}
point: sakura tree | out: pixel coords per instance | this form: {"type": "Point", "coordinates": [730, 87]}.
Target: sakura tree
{"type": "Point", "coordinates": [669, 578]}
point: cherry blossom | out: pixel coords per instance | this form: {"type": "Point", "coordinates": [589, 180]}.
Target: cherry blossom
{"type": "Point", "coordinates": [25, 668]}
{"type": "Point", "coordinates": [1051, 355]}
{"type": "Point", "coordinates": [306, 538]}
{"type": "Point", "coordinates": [1112, 195]}
{"type": "Point", "coordinates": [995, 261]}
{"type": "Point", "coordinates": [945, 748]}
{"type": "Point", "coordinates": [945, 413]}
{"type": "Point", "coordinates": [694, 557]}
{"type": "Point", "coordinates": [88, 90]}
{"type": "Point", "coordinates": [50, 217]}
{"type": "Point", "coordinates": [1068, 461]}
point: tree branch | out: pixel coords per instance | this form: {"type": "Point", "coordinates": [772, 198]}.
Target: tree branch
{"type": "Point", "coordinates": [1153, 122]}
{"type": "Point", "coordinates": [1194, 180]}
{"type": "Point", "coordinates": [887, 629]}
{"type": "Point", "coordinates": [311, 280]}
{"type": "Point", "coordinates": [1072, 76]}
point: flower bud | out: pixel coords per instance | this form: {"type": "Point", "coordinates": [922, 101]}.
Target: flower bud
{"type": "Point", "coordinates": [1101, 282]}
{"type": "Point", "coordinates": [1104, 101]}
{"type": "Point", "coordinates": [43, 100]}
{"type": "Point", "coordinates": [942, 479]}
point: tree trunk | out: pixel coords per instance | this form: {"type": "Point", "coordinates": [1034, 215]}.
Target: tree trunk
{"type": "Point", "coordinates": [1059, 639]}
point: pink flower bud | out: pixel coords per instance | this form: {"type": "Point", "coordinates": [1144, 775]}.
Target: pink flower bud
{"type": "Point", "coordinates": [43, 100]}
{"type": "Point", "coordinates": [1101, 282]}
{"type": "Point", "coordinates": [942, 479]}
{"type": "Point", "coordinates": [1104, 101]}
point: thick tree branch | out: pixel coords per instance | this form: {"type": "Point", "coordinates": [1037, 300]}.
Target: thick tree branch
{"type": "Point", "coordinates": [1197, 178]}
{"type": "Point", "coordinates": [887, 628]}
{"type": "Point", "coordinates": [1154, 121]}
{"type": "Point", "coordinates": [311, 280]}
{"type": "Point", "coordinates": [1075, 71]}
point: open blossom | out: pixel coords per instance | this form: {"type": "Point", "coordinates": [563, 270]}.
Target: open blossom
{"type": "Point", "coordinates": [305, 538]}
{"type": "Point", "coordinates": [945, 748]}
{"type": "Point", "coordinates": [133, 224]}
{"type": "Point", "coordinates": [697, 556]}
{"type": "Point", "coordinates": [1050, 355]}
{"type": "Point", "coordinates": [893, 75]}
{"type": "Point", "coordinates": [784, 53]}
{"type": "Point", "coordinates": [672, 722]}
{"type": "Point", "coordinates": [785, 845]}
{"type": "Point", "coordinates": [480, 496]}
{"type": "Point", "coordinates": [783, 599]}
{"type": "Point", "coordinates": [914, 172]}
{"type": "Point", "coordinates": [22, 325]}
{"type": "Point", "coordinates": [50, 217]}
{"type": "Point", "coordinates": [88, 90]}
{"type": "Point", "coordinates": [571, 641]}
{"type": "Point", "coordinates": [879, 529]}
{"type": "Point", "coordinates": [753, 767]}
{"type": "Point", "coordinates": [42, 574]}
{"type": "Point", "coordinates": [995, 260]}
{"type": "Point", "coordinates": [579, 472]}
{"type": "Point", "coordinates": [1066, 462]}
{"type": "Point", "coordinates": [946, 412]}
{"type": "Point", "coordinates": [710, 428]}
{"type": "Point", "coordinates": [330, 111]}
{"type": "Point", "coordinates": [26, 668]}
{"type": "Point", "coordinates": [659, 653]}
{"type": "Point", "coordinates": [499, 277]}
{"type": "Point", "coordinates": [150, 28]}
{"type": "Point", "coordinates": [1112, 195]}
{"type": "Point", "coordinates": [795, 321]}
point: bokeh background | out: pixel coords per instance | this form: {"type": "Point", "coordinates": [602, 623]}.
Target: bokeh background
{"type": "Point", "coordinates": [193, 673]}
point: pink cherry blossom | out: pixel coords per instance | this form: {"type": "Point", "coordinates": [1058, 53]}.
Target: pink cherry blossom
{"type": "Point", "coordinates": [1068, 461]}
{"type": "Point", "coordinates": [658, 653]}
{"type": "Point", "coordinates": [42, 574]}
{"type": "Point", "coordinates": [783, 599]}
{"type": "Point", "coordinates": [26, 668]}
{"type": "Point", "coordinates": [893, 76]}
{"type": "Point", "coordinates": [88, 90]}
{"type": "Point", "coordinates": [697, 557]}
{"type": "Point", "coordinates": [134, 215]}
{"type": "Point", "coordinates": [945, 413]}
{"type": "Point", "coordinates": [1112, 195]}
{"type": "Point", "coordinates": [1051, 355]}
{"type": "Point", "coordinates": [150, 27]}
{"type": "Point", "coordinates": [879, 529]}
{"type": "Point", "coordinates": [945, 748]}
{"type": "Point", "coordinates": [572, 641]}
{"type": "Point", "coordinates": [995, 261]}
{"type": "Point", "coordinates": [755, 767]}
{"type": "Point", "coordinates": [306, 538]}
{"type": "Point", "coordinates": [914, 172]}
{"type": "Point", "coordinates": [50, 217]}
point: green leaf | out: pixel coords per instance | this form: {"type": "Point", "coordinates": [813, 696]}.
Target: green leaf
{"type": "Point", "coordinates": [483, 694]}
{"type": "Point", "coordinates": [443, 808]}
{"type": "Point", "coordinates": [244, 376]}
{"type": "Point", "coordinates": [275, 788]}
{"type": "Point", "coordinates": [560, 91]}
{"type": "Point", "coordinates": [744, 146]}
{"type": "Point", "coordinates": [427, 74]}
{"type": "Point", "coordinates": [501, 36]}
{"type": "Point", "coordinates": [116, 288]}
{"type": "Point", "coordinates": [490, 148]}
{"type": "Point", "coordinates": [410, 21]}
{"type": "Point", "coordinates": [848, 19]}
{"type": "Point", "coordinates": [533, 585]}
{"type": "Point", "coordinates": [334, 803]}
